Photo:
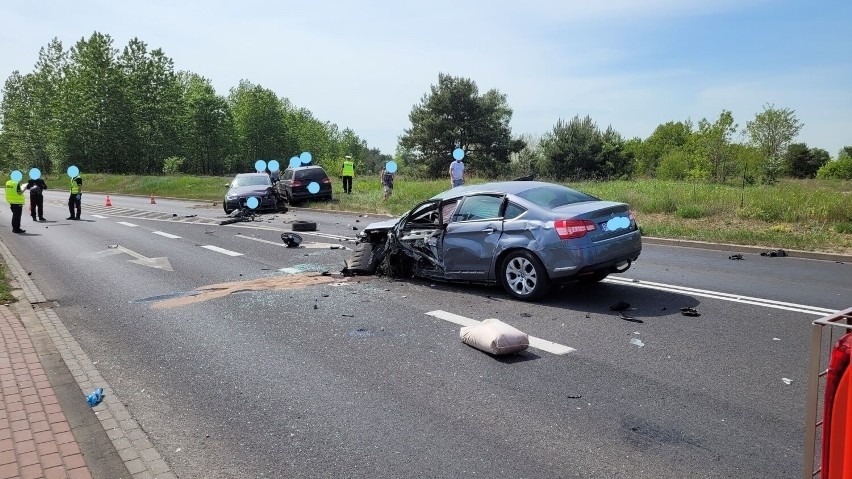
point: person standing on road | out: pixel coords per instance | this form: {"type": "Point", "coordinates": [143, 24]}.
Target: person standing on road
{"type": "Point", "coordinates": [456, 173]}
{"type": "Point", "coordinates": [37, 188]}
{"type": "Point", "coordinates": [16, 200]}
{"type": "Point", "coordinates": [347, 172]}
{"type": "Point", "coordinates": [76, 199]}
{"type": "Point", "coordinates": [387, 181]}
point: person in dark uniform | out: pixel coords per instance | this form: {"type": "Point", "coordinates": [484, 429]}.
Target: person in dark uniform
{"type": "Point", "coordinates": [37, 188]}
{"type": "Point", "coordinates": [75, 200]}
{"type": "Point", "coordinates": [16, 200]}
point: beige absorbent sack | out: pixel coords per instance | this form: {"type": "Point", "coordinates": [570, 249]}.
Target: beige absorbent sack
{"type": "Point", "coordinates": [495, 337]}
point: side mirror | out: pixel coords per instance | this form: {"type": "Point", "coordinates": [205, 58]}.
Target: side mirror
{"type": "Point", "coordinates": [227, 185]}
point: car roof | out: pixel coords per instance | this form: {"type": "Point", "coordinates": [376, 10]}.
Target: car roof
{"type": "Point", "coordinates": [251, 174]}
{"type": "Point", "coordinates": [513, 187]}
{"type": "Point", "coordinates": [305, 167]}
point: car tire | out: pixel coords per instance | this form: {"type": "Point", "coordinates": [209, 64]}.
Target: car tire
{"type": "Point", "coordinates": [225, 207]}
{"type": "Point", "coordinates": [523, 276]}
{"type": "Point", "coordinates": [301, 225]}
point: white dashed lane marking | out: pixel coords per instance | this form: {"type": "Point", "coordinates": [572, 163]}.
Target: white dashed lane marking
{"type": "Point", "coordinates": [538, 343]}
{"type": "Point", "coordinates": [221, 250]}
{"type": "Point", "coordinates": [166, 235]}
{"type": "Point", "coordinates": [100, 216]}
{"type": "Point", "coordinates": [125, 223]}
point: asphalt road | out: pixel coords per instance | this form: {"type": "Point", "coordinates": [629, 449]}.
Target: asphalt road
{"type": "Point", "coordinates": [268, 376]}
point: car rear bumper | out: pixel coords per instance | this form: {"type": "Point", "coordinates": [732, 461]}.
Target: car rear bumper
{"type": "Point", "coordinates": [566, 262]}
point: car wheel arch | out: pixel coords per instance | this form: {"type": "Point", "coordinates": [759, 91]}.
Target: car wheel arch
{"type": "Point", "coordinates": [542, 282]}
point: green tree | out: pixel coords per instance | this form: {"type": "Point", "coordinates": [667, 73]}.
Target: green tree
{"type": "Point", "coordinates": [577, 149]}
{"type": "Point", "coordinates": [259, 123]}
{"type": "Point", "coordinates": [771, 131]}
{"type": "Point", "coordinates": [454, 115]}
{"type": "Point", "coordinates": [665, 138]}
{"type": "Point", "coordinates": [713, 142]}
{"type": "Point", "coordinates": [803, 162]}
{"type": "Point", "coordinates": [208, 132]}
{"type": "Point", "coordinates": [839, 169]}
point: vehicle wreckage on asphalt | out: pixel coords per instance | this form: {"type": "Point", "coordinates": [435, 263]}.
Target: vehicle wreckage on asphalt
{"type": "Point", "coordinates": [523, 235]}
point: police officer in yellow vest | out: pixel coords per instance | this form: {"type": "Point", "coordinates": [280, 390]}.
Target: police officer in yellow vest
{"type": "Point", "coordinates": [347, 173]}
{"type": "Point", "coordinates": [75, 200]}
{"type": "Point", "coordinates": [15, 198]}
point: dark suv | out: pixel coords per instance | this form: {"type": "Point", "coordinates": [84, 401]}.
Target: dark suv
{"type": "Point", "coordinates": [295, 184]}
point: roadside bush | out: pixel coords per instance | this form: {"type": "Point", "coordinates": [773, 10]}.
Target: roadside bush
{"type": "Point", "coordinates": [757, 213]}
{"type": "Point", "coordinates": [840, 169]}
{"type": "Point", "coordinates": [691, 212]}
{"type": "Point", "coordinates": [173, 165]}
{"type": "Point", "coordinates": [843, 227]}
{"type": "Point", "coordinates": [660, 205]}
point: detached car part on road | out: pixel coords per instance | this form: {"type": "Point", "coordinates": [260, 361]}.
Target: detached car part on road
{"type": "Point", "coordinates": [524, 235]}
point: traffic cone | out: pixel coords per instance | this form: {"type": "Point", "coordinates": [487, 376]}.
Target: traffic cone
{"type": "Point", "coordinates": [108, 202]}
{"type": "Point", "coordinates": [153, 201]}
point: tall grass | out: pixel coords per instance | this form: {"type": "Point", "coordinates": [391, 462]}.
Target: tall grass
{"type": "Point", "coordinates": [793, 214]}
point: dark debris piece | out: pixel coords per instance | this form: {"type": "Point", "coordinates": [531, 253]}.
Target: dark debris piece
{"type": "Point", "coordinates": [619, 306]}
{"type": "Point", "coordinates": [689, 312]}
{"type": "Point", "coordinates": [630, 318]}
{"type": "Point", "coordinates": [780, 253]}
{"type": "Point", "coordinates": [736, 256]}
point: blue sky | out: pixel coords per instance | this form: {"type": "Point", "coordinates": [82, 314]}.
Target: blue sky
{"type": "Point", "coordinates": [631, 64]}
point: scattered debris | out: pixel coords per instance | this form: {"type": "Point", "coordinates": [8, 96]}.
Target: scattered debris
{"type": "Point", "coordinates": [316, 307]}
{"type": "Point", "coordinates": [774, 253]}
{"type": "Point", "coordinates": [636, 342]}
{"type": "Point", "coordinates": [620, 306]}
{"type": "Point", "coordinates": [736, 256]}
{"type": "Point", "coordinates": [348, 315]}
{"type": "Point", "coordinates": [575, 396]}
{"type": "Point", "coordinates": [787, 380]}
{"type": "Point", "coordinates": [776, 339]}
{"type": "Point", "coordinates": [190, 216]}
{"type": "Point", "coordinates": [354, 228]}
{"type": "Point", "coordinates": [588, 315]}
{"type": "Point", "coordinates": [495, 337]}
{"type": "Point", "coordinates": [302, 225]}
{"type": "Point", "coordinates": [630, 318]}
{"type": "Point", "coordinates": [292, 240]}
{"type": "Point", "coordinates": [95, 397]}
{"type": "Point", "coordinates": [526, 315]}
{"type": "Point", "coordinates": [689, 312]}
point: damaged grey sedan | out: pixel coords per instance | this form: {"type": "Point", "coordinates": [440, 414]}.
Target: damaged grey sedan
{"type": "Point", "coordinates": [524, 235]}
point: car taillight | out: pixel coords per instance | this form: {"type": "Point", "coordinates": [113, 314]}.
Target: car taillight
{"type": "Point", "coordinates": [836, 452]}
{"type": "Point", "coordinates": [325, 180]}
{"type": "Point", "coordinates": [571, 229]}
{"type": "Point", "coordinates": [295, 183]}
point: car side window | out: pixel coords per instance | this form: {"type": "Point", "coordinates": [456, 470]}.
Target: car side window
{"type": "Point", "coordinates": [479, 207]}
{"type": "Point", "coordinates": [513, 211]}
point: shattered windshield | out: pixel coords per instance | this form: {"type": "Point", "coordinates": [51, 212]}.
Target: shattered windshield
{"type": "Point", "coordinates": [554, 196]}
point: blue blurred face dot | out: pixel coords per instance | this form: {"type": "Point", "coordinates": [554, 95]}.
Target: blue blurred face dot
{"type": "Point", "coordinates": [313, 187]}
{"type": "Point", "coordinates": [35, 173]}
{"type": "Point", "coordinates": [295, 162]}
{"type": "Point", "coordinates": [259, 165]}
{"type": "Point", "coordinates": [253, 202]}
{"type": "Point", "coordinates": [391, 167]}
{"type": "Point", "coordinates": [17, 175]}
{"type": "Point", "coordinates": [274, 166]}
{"type": "Point", "coordinates": [306, 157]}
{"type": "Point", "coordinates": [73, 171]}
{"type": "Point", "coordinates": [458, 153]}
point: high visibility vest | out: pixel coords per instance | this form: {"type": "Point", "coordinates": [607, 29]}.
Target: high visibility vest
{"type": "Point", "coordinates": [75, 188]}
{"type": "Point", "coordinates": [348, 168]}
{"type": "Point", "coordinates": [13, 193]}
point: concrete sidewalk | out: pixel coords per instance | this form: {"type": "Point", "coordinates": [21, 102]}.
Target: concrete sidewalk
{"type": "Point", "coordinates": [47, 429]}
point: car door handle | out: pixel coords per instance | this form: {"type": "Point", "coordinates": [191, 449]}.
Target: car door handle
{"type": "Point", "coordinates": [488, 230]}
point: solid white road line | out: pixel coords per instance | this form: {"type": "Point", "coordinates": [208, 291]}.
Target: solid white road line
{"type": "Point", "coordinates": [767, 303]}
{"type": "Point", "coordinates": [221, 250]}
{"type": "Point", "coordinates": [166, 235]}
{"type": "Point", "coordinates": [304, 245]}
{"type": "Point", "coordinates": [538, 343]}
{"type": "Point", "coordinates": [100, 216]}
{"type": "Point", "coordinates": [125, 223]}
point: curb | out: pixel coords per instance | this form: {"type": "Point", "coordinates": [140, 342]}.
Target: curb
{"type": "Point", "coordinates": [131, 442]}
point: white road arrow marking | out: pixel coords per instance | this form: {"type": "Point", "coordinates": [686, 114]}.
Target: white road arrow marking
{"type": "Point", "coordinates": [158, 263]}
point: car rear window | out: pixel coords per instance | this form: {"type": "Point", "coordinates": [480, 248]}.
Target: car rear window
{"type": "Point", "coordinates": [554, 196]}
{"type": "Point", "coordinates": [311, 174]}
{"type": "Point", "coordinates": [258, 180]}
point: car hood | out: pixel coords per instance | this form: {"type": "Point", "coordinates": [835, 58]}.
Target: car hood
{"type": "Point", "coordinates": [382, 225]}
{"type": "Point", "coordinates": [250, 190]}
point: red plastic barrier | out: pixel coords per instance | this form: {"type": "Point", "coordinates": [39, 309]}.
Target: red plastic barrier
{"type": "Point", "coordinates": [837, 417]}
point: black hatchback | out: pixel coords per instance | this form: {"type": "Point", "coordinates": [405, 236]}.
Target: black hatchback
{"type": "Point", "coordinates": [304, 183]}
